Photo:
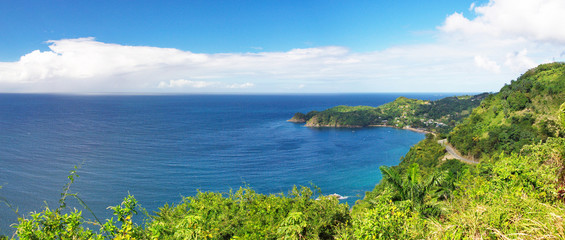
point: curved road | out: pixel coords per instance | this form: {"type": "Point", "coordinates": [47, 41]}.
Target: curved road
{"type": "Point", "coordinates": [454, 152]}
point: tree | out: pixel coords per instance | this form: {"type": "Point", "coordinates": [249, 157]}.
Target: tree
{"type": "Point", "coordinates": [562, 114]}
{"type": "Point", "coordinates": [412, 188]}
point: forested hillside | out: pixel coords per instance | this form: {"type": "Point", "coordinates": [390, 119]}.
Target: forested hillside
{"type": "Point", "coordinates": [518, 189]}
{"type": "Point", "coordinates": [523, 112]}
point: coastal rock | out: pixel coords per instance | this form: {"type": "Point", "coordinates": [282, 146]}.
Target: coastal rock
{"type": "Point", "coordinates": [338, 196]}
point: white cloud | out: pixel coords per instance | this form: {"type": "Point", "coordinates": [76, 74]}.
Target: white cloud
{"type": "Point", "coordinates": [485, 63]}
{"type": "Point", "coordinates": [538, 20]}
{"type": "Point", "coordinates": [470, 54]}
{"type": "Point", "coordinates": [242, 85]}
{"type": "Point", "coordinates": [181, 83]}
{"type": "Point", "coordinates": [518, 61]}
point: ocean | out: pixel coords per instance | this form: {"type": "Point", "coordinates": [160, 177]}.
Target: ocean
{"type": "Point", "coordinates": [162, 147]}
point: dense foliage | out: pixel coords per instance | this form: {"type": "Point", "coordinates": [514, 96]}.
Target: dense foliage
{"type": "Point", "coordinates": [247, 215]}
{"type": "Point", "coordinates": [506, 196]}
{"type": "Point", "coordinates": [427, 154]}
{"type": "Point", "coordinates": [439, 116]}
{"type": "Point", "coordinates": [523, 112]}
{"type": "Point", "coordinates": [510, 196]}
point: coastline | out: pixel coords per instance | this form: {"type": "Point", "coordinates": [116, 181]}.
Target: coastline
{"type": "Point", "coordinates": [419, 130]}
{"type": "Point", "coordinates": [333, 126]}
{"type": "Point", "coordinates": [292, 120]}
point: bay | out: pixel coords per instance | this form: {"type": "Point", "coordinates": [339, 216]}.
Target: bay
{"type": "Point", "coordinates": [162, 147]}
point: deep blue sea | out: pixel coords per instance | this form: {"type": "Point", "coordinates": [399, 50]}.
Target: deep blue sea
{"type": "Point", "coordinates": [160, 148]}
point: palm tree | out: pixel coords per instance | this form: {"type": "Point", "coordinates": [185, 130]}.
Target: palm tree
{"type": "Point", "coordinates": [412, 188]}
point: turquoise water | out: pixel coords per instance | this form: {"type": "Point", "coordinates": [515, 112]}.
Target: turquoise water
{"type": "Point", "coordinates": [160, 148]}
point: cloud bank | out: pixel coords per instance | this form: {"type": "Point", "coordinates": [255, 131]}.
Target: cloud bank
{"type": "Point", "coordinates": [182, 83]}
{"type": "Point", "coordinates": [505, 38]}
{"type": "Point", "coordinates": [540, 20]}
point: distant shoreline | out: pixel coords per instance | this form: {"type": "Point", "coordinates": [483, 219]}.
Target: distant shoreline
{"type": "Point", "coordinates": [404, 128]}
{"type": "Point", "coordinates": [369, 126]}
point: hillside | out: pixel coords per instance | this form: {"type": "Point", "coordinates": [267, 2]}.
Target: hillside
{"type": "Point", "coordinates": [518, 189]}
{"type": "Point", "coordinates": [523, 112]}
{"type": "Point", "coordinates": [439, 116]}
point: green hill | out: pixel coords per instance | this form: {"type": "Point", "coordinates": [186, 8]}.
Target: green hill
{"type": "Point", "coordinates": [523, 112]}
{"type": "Point", "coordinates": [518, 189]}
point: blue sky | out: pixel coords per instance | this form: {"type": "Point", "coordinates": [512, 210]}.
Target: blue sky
{"type": "Point", "coordinates": [222, 26]}
{"type": "Point", "coordinates": [274, 46]}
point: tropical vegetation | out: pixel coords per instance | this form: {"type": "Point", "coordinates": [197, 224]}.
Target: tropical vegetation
{"type": "Point", "coordinates": [523, 112]}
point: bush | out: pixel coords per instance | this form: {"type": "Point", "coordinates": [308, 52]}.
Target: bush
{"type": "Point", "coordinates": [385, 221]}
{"type": "Point", "coordinates": [249, 215]}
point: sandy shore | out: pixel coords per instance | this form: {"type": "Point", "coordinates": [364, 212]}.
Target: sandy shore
{"type": "Point", "coordinates": [405, 128]}
{"type": "Point", "coordinates": [357, 126]}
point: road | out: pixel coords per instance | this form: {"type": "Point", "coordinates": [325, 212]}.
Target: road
{"type": "Point", "coordinates": [455, 153]}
